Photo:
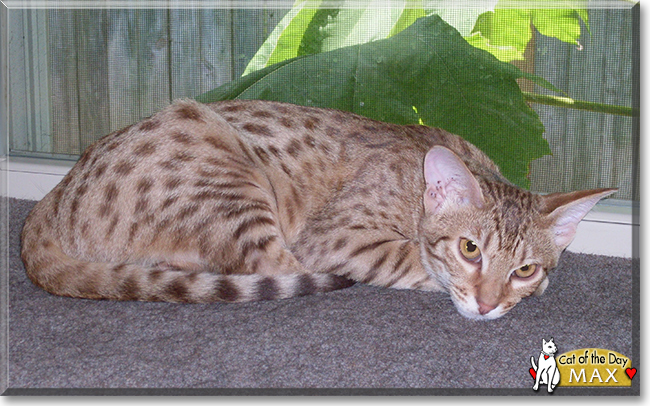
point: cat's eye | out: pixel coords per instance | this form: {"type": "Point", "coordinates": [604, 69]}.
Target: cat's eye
{"type": "Point", "coordinates": [526, 271]}
{"type": "Point", "coordinates": [470, 250]}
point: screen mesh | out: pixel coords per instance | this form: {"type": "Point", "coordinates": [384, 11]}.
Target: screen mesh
{"type": "Point", "coordinates": [80, 74]}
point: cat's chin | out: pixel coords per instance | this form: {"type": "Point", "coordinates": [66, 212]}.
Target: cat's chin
{"type": "Point", "coordinates": [475, 315]}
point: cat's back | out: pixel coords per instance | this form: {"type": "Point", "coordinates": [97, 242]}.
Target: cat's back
{"type": "Point", "coordinates": [281, 132]}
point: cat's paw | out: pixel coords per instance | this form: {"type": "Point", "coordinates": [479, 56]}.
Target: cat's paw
{"type": "Point", "coordinates": [535, 387]}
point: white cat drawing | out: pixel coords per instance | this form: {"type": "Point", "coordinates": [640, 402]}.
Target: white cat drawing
{"type": "Point", "coordinates": [546, 371]}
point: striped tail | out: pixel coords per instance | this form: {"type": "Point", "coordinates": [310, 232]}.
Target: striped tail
{"type": "Point", "coordinates": [51, 269]}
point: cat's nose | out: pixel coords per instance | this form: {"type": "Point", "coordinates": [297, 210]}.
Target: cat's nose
{"type": "Point", "coordinates": [483, 308]}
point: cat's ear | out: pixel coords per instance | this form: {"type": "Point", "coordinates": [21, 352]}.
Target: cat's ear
{"type": "Point", "coordinates": [567, 209]}
{"type": "Point", "coordinates": [448, 181]}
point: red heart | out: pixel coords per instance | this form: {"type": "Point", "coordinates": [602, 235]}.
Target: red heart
{"type": "Point", "coordinates": [534, 374]}
{"type": "Point", "coordinates": [630, 372]}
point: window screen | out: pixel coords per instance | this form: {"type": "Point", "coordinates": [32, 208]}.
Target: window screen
{"type": "Point", "coordinates": [78, 74]}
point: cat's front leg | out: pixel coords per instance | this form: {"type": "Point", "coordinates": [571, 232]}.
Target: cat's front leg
{"type": "Point", "coordinates": [551, 376]}
{"type": "Point", "coordinates": [370, 257]}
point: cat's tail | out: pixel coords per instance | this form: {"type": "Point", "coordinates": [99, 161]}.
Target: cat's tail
{"type": "Point", "coordinates": [56, 272]}
{"type": "Point", "coordinates": [532, 362]}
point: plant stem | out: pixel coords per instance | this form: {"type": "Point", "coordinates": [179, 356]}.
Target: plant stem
{"type": "Point", "coordinates": [580, 105]}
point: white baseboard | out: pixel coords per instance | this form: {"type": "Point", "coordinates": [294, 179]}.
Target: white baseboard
{"type": "Point", "coordinates": [607, 230]}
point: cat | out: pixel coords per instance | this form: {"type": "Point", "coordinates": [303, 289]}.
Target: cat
{"type": "Point", "coordinates": [546, 371]}
{"type": "Point", "coordinates": [253, 200]}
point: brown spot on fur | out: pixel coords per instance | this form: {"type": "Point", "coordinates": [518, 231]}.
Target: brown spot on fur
{"type": "Point", "coordinates": [110, 193]}
{"type": "Point", "coordinates": [178, 291]}
{"type": "Point", "coordinates": [374, 268]}
{"type": "Point", "coordinates": [141, 206]}
{"type": "Point", "coordinates": [286, 122]}
{"type": "Point", "coordinates": [368, 247]}
{"type": "Point", "coordinates": [123, 168]}
{"type": "Point", "coordinates": [100, 169]}
{"type": "Point", "coordinates": [226, 291]}
{"type": "Point", "coordinates": [310, 141]}
{"type": "Point", "coordinates": [231, 211]}
{"type": "Point", "coordinates": [112, 226]}
{"type": "Point", "coordinates": [130, 289]}
{"type": "Point", "coordinates": [145, 149]}
{"type": "Point", "coordinates": [311, 122]}
{"type": "Point", "coordinates": [258, 129]}
{"type": "Point", "coordinates": [113, 145]}
{"type": "Point", "coordinates": [81, 190]}
{"type": "Point", "coordinates": [295, 197]}
{"type": "Point", "coordinates": [332, 132]}
{"type": "Point", "coordinates": [155, 275]}
{"type": "Point", "coordinates": [252, 223]}
{"type": "Point", "coordinates": [294, 148]}
{"type": "Point", "coordinates": [58, 193]}
{"type": "Point", "coordinates": [184, 156]}
{"type": "Point", "coordinates": [340, 243]}
{"type": "Point", "coordinates": [267, 289]}
{"type": "Point", "coordinates": [216, 143]}
{"type": "Point", "coordinates": [132, 230]}
{"type": "Point", "coordinates": [84, 229]}
{"type": "Point", "coordinates": [118, 268]}
{"type": "Point", "coordinates": [286, 169]}
{"type": "Point", "coordinates": [170, 165]}
{"type": "Point", "coordinates": [275, 151]}
{"type": "Point", "coordinates": [233, 107]}
{"type": "Point", "coordinates": [187, 212]}
{"type": "Point", "coordinates": [168, 202]}
{"type": "Point", "coordinates": [144, 185]}
{"type": "Point", "coordinates": [182, 137]}
{"type": "Point", "coordinates": [86, 156]}
{"type": "Point", "coordinates": [206, 195]}
{"type": "Point", "coordinates": [189, 112]}
{"type": "Point", "coordinates": [243, 148]}
{"type": "Point", "coordinates": [120, 132]}
{"type": "Point", "coordinates": [260, 244]}
{"type": "Point", "coordinates": [262, 154]}
{"type": "Point", "coordinates": [305, 285]}
{"type": "Point", "coordinates": [339, 282]}
{"type": "Point", "coordinates": [262, 114]}
{"type": "Point", "coordinates": [173, 183]}
{"type": "Point", "coordinates": [149, 125]}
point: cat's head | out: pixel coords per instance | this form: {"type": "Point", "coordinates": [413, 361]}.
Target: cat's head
{"type": "Point", "coordinates": [549, 346]}
{"type": "Point", "coordinates": [490, 244]}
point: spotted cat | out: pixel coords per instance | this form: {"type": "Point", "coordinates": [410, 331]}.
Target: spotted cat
{"type": "Point", "coordinates": [254, 200]}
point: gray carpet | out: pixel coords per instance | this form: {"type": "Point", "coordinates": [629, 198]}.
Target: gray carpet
{"type": "Point", "coordinates": [358, 341]}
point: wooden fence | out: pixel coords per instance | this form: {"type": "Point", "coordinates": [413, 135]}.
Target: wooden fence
{"type": "Point", "coordinates": [590, 150]}
{"type": "Point", "coordinates": [76, 75]}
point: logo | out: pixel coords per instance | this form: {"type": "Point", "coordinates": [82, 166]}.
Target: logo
{"type": "Point", "coordinates": [587, 367]}
{"type": "Point", "coordinates": [545, 372]}
{"type": "Point", "coordinates": [595, 367]}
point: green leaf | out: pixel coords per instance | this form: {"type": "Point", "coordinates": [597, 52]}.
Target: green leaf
{"type": "Point", "coordinates": [427, 72]}
{"type": "Point", "coordinates": [504, 28]}
{"type": "Point", "coordinates": [505, 32]}
{"type": "Point", "coordinates": [408, 17]}
{"type": "Point", "coordinates": [284, 41]}
{"type": "Point", "coordinates": [462, 18]}
{"type": "Point", "coordinates": [562, 24]}
{"type": "Point", "coordinates": [308, 29]}
{"type": "Point", "coordinates": [502, 53]}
